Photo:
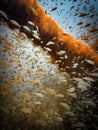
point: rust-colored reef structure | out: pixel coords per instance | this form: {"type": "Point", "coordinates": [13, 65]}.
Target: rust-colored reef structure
{"type": "Point", "coordinates": [71, 50]}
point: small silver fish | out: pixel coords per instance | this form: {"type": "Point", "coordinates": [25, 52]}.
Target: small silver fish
{"type": "Point", "coordinates": [3, 15]}
{"type": "Point", "coordinates": [61, 52]}
{"type": "Point", "coordinates": [39, 95]}
{"type": "Point", "coordinates": [26, 110]}
{"type": "Point", "coordinates": [13, 23]}
{"type": "Point", "coordinates": [50, 43]}
{"type": "Point", "coordinates": [47, 49]}
{"type": "Point", "coordinates": [36, 36]}
{"type": "Point", "coordinates": [90, 62]}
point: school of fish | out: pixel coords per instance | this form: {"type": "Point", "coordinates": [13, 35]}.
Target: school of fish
{"type": "Point", "coordinates": [34, 92]}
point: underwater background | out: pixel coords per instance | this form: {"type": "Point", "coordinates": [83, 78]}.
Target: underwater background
{"type": "Point", "coordinates": [48, 79]}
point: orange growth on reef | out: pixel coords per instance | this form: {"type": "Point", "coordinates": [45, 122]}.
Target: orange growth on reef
{"type": "Point", "coordinates": [49, 29]}
{"type": "Point", "coordinates": [48, 26]}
